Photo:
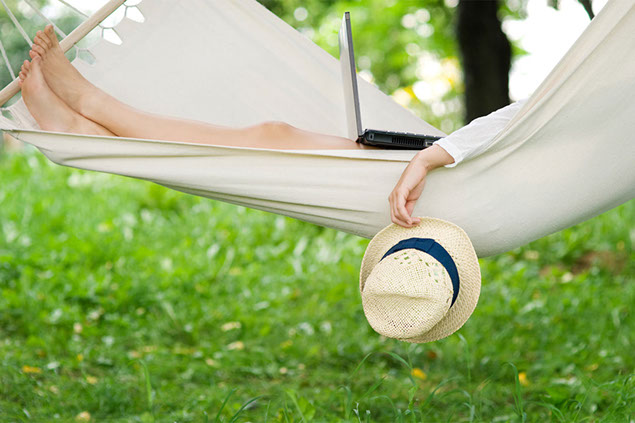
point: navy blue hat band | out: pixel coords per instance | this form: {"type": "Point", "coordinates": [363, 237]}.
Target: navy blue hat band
{"type": "Point", "coordinates": [437, 251]}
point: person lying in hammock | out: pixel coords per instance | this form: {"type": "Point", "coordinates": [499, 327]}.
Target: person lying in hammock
{"type": "Point", "coordinates": [62, 100]}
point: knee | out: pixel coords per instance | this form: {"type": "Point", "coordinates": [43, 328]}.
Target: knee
{"type": "Point", "coordinates": [275, 128]}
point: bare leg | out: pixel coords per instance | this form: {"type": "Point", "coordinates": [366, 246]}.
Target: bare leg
{"type": "Point", "coordinates": [127, 121]}
{"type": "Point", "coordinates": [49, 111]}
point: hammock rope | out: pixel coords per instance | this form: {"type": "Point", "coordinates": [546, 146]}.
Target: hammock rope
{"type": "Point", "coordinates": [6, 60]}
{"type": "Point", "coordinates": [73, 8]}
{"type": "Point", "coordinates": [16, 23]}
{"type": "Point", "coordinates": [41, 15]}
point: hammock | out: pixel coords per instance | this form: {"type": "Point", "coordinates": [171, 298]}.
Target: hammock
{"type": "Point", "coordinates": [564, 158]}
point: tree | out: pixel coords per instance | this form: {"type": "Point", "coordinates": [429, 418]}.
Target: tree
{"type": "Point", "coordinates": [486, 55]}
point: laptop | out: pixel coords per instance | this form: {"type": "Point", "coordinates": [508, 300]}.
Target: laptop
{"type": "Point", "coordinates": [384, 139]}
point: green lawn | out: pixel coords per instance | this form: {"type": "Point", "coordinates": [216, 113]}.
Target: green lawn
{"type": "Point", "coordinates": [123, 301]}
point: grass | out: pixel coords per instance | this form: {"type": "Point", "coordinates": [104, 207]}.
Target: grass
{"type": "Point", "coordinates": [122, 301]}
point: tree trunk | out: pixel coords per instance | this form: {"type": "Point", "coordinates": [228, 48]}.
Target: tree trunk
{"type": "Point", "coordinates": [486, 56]}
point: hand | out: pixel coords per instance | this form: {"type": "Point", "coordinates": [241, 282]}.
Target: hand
{"type": "Point", "coordinates": [406, 193]}
{"type": "Point", "coordinates": [404, 196]}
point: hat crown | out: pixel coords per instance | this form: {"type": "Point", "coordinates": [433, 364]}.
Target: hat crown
{"type": "Point", "coordinates": [406, 294]}
{"type": "Point", "coordinates": [386, 298]}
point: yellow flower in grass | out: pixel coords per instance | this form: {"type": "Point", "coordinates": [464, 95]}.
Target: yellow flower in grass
{"type": "Point", "coordinates": [32, 370]}
{"type": "Point", "coordinates": [522, 378]}
{"type": "Point", "coordinates": [230, 325]}
{"type": "Point", "coordinates": [238, 345]}
{"type": "Point", "coordinates": [418, 373]}
{"type": "Point", "coordinates": [91, 379]}
{"type": "Point", "coordinates": [592, 367]}
{"type": "Point", "coordinates": [84, 416]}
{"type": "Point", "coordinates": [134, 354]}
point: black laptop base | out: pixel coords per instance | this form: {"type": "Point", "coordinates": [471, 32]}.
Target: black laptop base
{"type": "Point", "coordinates": [400, 140]}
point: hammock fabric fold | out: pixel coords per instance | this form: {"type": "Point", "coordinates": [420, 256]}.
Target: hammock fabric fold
{"type": "Point", "coordinates": [565, 157]}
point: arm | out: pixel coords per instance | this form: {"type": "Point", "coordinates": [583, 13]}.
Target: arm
{"type": "Point", "coordinates": [407, 191]}
{"type": "Point", "coordinates": [467, 142]}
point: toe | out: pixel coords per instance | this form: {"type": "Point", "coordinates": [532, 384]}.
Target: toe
{"type": "Point", "coordinates": [42, 40]}
{"type": "Point", "coordinates": [49, 31]}
{"type": "Point", "coordinates": [22, 76]}
{"type": "Point", "coordinates": [51, 35]}
{"type": "Point", "coordinates": [38, 49]}
{"type": "Point", "coordinates": [33, 54]}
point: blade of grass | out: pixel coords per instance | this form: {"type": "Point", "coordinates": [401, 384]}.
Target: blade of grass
{"type": "Point", "coordinates": [372, 388]}
{"type": "Point", "coordinates": [518, 400]}
{"type": "Point", "coordinates": [240, 410]}
{"type": "Point", "coordinates": [146, 375]}
{"type": "Point", "coordinates": [555, 410]}
{"type": "Point", "coordinates": [360, 364]}
{"type": "Point", "coordinates": [348, 404]}
{"type": "Point", "coordinates": [291, 395]}
{"type": "Point", "coordinates": [267, 411]}
{"type": "Point", "coordinates": [399, 358]}
{"type": "Point", "coordinates": [431, 395]}
{"type": "Point", "coordinates": [217, 419]}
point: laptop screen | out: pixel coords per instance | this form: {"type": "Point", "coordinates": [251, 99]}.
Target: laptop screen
{"type": "Point", "coordinates": [349, 79]}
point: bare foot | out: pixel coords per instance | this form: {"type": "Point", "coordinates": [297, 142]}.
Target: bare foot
{"type": "Point", "coordinates": [49, 111]}
{"type": "Point", "coordinates": [60, 75]}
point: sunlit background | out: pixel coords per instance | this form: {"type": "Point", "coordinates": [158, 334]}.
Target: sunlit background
{"type": "Point", "coordinates": [543, 32]}
{"type": "Point", "coordinates": [546, 34]}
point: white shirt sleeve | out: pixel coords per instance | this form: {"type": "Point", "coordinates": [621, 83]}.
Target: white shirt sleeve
{"type": "Point", "coordinates": [476, 137]}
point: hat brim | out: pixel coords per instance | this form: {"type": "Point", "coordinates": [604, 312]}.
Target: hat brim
{"type": "Point", "coordinates": [458, 245]}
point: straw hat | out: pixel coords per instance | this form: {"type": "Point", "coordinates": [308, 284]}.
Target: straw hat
{"type": "Point", "coordinates": [419, 284]}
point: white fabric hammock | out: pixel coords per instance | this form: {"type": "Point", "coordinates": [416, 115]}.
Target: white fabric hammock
{"type": "Point", "coordinates": [565, 157]}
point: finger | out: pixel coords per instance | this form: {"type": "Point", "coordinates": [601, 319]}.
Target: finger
{"type": "Point", "coordinates": [393, 216]}
{"type": "Point", "coordinates": [401, 222]}
{"type": "Point", "coordinates": [410, 205]}
{"type": "Point", "coordinates": [393, 210]}
{"type": "Point", "coordinates": [402, 212]}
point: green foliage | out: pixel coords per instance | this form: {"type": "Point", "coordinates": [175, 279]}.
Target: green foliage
{"type": "Point", "coordinates": [390, 49]}
{"type": "Point", "coordinates": [130, 302]}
